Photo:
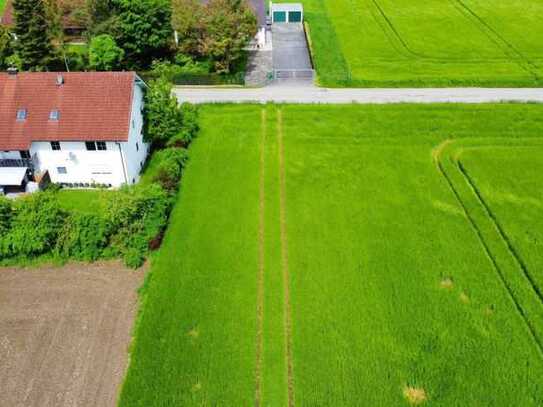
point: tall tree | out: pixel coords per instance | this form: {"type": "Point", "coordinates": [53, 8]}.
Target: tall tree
{"type": "Point", "coordinates": [104, 54]}
{"type": "Point", "coordinates": [6, 49]}
{"type": "Point", "coordinates": [145, 30]}
{"type": "Point", "coordinates": [229, 25]}
{"type": "Point", "coordinates": [186, 21]}
{"type": "Point", "coordinates": [33, 45]}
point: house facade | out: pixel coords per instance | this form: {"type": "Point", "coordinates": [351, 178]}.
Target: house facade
{"type": "Point", "coordinates": [82, 129]}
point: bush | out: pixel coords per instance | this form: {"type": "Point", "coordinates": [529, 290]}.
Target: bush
{"type": "Point", "coordinates": [135, 215]}
{"type": "Point", "coordinates": [172, 161]}
{"type": "Point", "coordinates": [35, 226]}
{"type": "Point", "coordinates": [104, 54]}
{"type": "Point", "coordinates": [189, 129]}
{"type": "Point", "coordinates": [83, 237]}
{"type": "Point", "coordinates": [133, 258]}
{"type": "Point", "coordinates": [6, 214]}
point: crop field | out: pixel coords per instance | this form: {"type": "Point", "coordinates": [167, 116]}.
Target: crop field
{"type": "Point", "coordinates": [436, 43]}
{"type": "Point", "coordinates": [64, 332]}
{"type": "Point", "coordinates": [350, 255]}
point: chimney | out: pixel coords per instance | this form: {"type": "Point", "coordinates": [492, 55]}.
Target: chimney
{"type": "Point", "coordinates": [60, 80]}
{"type": "Point", "coordinates": [12, 70]}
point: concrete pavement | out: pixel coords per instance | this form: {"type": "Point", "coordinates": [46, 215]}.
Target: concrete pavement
{"type": "Point", "coordinates": [312, 94]}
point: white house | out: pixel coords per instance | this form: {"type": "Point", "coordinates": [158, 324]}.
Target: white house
{"type": "Point", "coordinates": [81, 128]}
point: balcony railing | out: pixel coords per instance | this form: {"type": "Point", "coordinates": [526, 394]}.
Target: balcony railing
{"type": "Point", "coordinates": [17, 162]}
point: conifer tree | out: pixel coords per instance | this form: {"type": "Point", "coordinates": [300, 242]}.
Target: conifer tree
{"type": "Point", "coordinates": [33, 44]}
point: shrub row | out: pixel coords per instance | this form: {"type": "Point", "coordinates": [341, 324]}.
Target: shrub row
{"type": "Point", "coordinates": [128, 222]}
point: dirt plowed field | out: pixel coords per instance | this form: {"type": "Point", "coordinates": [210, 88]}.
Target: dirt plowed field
{"type": "Point", "coordinates": [64, 334]}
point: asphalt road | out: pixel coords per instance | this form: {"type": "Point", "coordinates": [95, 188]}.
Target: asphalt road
{"type": "Point", "coordinates": [312, 94]}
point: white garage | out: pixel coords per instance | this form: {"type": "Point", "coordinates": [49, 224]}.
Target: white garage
{"type": "Point", "coordinates": [286, 12]}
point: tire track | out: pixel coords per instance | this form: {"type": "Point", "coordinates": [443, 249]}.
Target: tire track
{"type": "Point", "coordinates": [500, 230]}
{"type": "Point", "coordinates": [260, 276]}
{"type": "Point", "coordinates": [438, 159]}
{"type": "Point", "coordinates": [284, 261]}
{"type": "Point", "coordinates": [499, 40]}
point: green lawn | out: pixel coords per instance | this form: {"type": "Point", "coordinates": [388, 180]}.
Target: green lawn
{"type": "Point", "coordinates": [81, 200]}
{"type": "Point", "coordinates": [340, 256]}
{"type": "Point", "coordinates": [436, 43]}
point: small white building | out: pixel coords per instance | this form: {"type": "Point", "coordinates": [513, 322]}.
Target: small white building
{"type": "Point", "coordinates": [286, 12]}
{"type": "Point", "coordinates": [82, 128]}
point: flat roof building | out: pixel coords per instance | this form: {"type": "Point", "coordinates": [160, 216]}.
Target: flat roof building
{"type": "Point", "coordinates": [286, 12]}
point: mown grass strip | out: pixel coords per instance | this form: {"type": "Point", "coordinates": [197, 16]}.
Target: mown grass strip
{"type": "Point", "coordinates": [261, 261]}
{"type": "Point", "coordinates": [284, 261]}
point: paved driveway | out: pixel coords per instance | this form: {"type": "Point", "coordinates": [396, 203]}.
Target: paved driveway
{"type": "Point", "coordinates": [290, 47]}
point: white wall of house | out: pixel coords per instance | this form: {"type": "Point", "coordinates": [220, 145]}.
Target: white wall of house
{"type": "Point", "coordinates": [135, 151]}
{"type": "Point", "coordinates": [73, 163]}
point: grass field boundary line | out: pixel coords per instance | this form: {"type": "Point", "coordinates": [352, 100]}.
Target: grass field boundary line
{"type": "Point", "coordinates": [500, 230]}
{"type": "Point", "coordinates": [438, 155]}
{"type": "Point", "coordinates": [332, 36]}
{"type": "Point", "coordinates": [496, 38]}
{"type": "Point", "coordinates": [284, 260]}
{"type": "Point", "coordinates": [260, 276]}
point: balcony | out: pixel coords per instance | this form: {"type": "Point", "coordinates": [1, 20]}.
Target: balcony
{"type": "Point", "coordinates": [17, 162]}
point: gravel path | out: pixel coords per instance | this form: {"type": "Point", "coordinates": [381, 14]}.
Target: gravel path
{"type": "Point", "coordinates": [312, 94]}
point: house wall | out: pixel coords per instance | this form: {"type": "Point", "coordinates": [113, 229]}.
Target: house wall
{"type": "Point", "coordinates": [82, 166]}
{"type": "Point", "coordinates": [135, 151]}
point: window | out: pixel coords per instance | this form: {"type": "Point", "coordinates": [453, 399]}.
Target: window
{"type": "Point", "coordinates": [96, 145]}
{"type": "Point", "coordinates": [55, 145]}
{"type": "Point", "coordinates": [62, 170]}
{"type": "Point", "coordinates": [25, 154]}
{"type": "Point", "coordinates": [137, 147]}
{"type": "Point", "coordinates": [133, 124]}
{"type": "Point", "coordinates": [21, 114]}
{"type": "Point", "coordinates": [54, 115]}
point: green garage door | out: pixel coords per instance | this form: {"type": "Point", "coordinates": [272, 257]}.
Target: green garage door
{"type": "Point", "coordinates": [295, 17]}
{"type": "Point", "coordinates": [279, 17]}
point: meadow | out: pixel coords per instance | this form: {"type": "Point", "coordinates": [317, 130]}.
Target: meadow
{"type": "Point", "coordinates": [384, 43]}
{"type": "Point", "coordinates": [349, 255]}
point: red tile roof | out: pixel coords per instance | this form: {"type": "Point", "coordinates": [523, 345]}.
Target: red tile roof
{"type": "Point", "coordinates": [92, 106]}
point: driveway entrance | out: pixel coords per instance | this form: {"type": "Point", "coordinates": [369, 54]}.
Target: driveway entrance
{"type": "Point", "coordinates": [291, 59]}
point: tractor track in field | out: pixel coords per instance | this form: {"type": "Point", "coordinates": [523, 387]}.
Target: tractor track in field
{"type": "Point", "coordinates": [284, 262]}
{"type": "Point", "coordinates": [261, 260]}
{"type": "Point", "coordinates": [499, 40]}
{"type": "Point", "coordinates": [398, 42]}
{"type": "Point", "coordinates": [500, 230]}
{"type": "Point", "coordinates": [438, 157]}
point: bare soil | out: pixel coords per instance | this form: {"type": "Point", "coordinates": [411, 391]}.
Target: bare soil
{"type": "Point", "coordinates": [64, 333]}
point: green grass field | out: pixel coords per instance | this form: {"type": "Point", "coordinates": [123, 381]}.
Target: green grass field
{"type": "Point", "coordinates": [436, 43]}
{"type": "Point", "coordinates": [341, 256]}
{"type": "Point", "coordinates": [81, 200]}
{"type": "Point", "coordinates": [509, 182]}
